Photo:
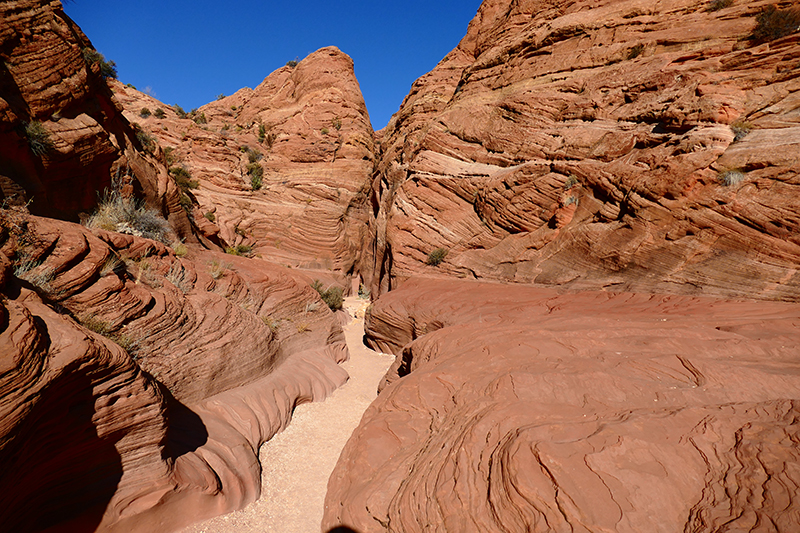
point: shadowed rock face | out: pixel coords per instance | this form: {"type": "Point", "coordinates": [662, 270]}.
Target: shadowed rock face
{"type": "Point", "coordinates": [522, 409]}
{"type": "Point", "coordinates": [308, 132]}
{"type": "Point", "coordinates": [82, 141]}
{"type": "Point", "coordinates": [149, 379]}
{"type": "Point", "coordinates": [586, 144]}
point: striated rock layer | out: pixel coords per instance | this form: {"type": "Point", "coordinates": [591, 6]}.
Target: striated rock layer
{"type": "Point", "coordinates": [63, 138]}
{"type": "Point", "coordinates": [306, 132]}
{"type": "Point", "coordinates": [620, 144]}
{"type": "Point", "coordinates": [524, 409]}
{"type": "Point", "coordinates": [146, 380]}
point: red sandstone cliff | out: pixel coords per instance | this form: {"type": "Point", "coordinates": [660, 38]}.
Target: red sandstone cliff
{"type": "Point", "coordinates": [622, 146]}
{"type": "Point", "coordinates": [517, 408]}
{"type": "Point", "coordinates": [579, 144]}
{"type": "Point", "coordinates": [138, 382]}
{"type": "Point", "coordinates": [305, 130]}
{"type": "Point", "coordinates": [136, 385]}
{"type": "Point", "coordinates": [619, 144]}
{"type": "Point", "coordinates": [63, 138]}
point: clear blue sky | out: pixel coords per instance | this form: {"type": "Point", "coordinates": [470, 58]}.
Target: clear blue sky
{"type": "Point", "coordinates": [188, 52]}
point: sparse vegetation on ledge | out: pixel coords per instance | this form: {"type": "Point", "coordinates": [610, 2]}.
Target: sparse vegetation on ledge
{"type": "Point", "coordinates": [436, 257]}
{"type": "Point", "coordinates": [243, 250]}
{"type": "Point", "coordinates": [128, 215]}
{"type": "Point", "coordinates": [108, 69]}
{"type": "Point", "coordinates": [332, 296]}
{"type": "Point", "coordinates": [773, 23]}
{"type": "Point", "coordinates": [38, 138]}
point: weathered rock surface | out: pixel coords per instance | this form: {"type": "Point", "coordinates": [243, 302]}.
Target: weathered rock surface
{"type": "Point", "coordinates": [525, 409]}
{"type": "Point", "coordinates": [309, 133]}
{"type": "Point", "coordinates": [149, 379]}
{"type": "Point", "coordinates": [83, 142]}
{"type": "Point", "coordinates": [586, 144]}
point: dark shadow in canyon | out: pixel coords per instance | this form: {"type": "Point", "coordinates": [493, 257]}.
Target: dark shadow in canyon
{"type": "Point", "coordinates": [55, 466]}
{"type": "Point", "coordinates": [186, 431]}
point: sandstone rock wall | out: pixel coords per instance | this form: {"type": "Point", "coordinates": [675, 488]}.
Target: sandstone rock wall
{"type": "Point", "coordinates": [137, 386]}
{"type": "Point", "coordinates": [63, 139]}
{"type": "Point", "coordinates": [620, 144]}
{"type": "Point", "coordinates": [306, 129]}
{"type": "Point", "coordinates": [525, 409]}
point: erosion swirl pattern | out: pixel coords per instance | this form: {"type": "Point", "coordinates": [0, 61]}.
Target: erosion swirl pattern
{"type": "Point", "coordinates": [521, 409]}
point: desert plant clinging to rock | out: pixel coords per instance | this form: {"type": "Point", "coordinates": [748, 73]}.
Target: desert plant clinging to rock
{"type": "Point", "coordinates": [436, 257]}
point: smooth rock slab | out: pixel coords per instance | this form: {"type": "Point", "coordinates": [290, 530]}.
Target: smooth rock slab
{"type": "Point", "coordinates": [525, 409]}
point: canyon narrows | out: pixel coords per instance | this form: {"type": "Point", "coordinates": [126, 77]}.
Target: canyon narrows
{"type": "Point", "coordinates": [580, 235]}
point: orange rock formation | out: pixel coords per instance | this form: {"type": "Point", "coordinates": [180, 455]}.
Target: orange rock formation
{"type": "Point", "coordinates": [620, 146]}
{"type": "Point", "coordinates": [617, 144]}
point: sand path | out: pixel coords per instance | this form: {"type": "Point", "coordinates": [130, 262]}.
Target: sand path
{"type": "Point", "coordinates": [298, 462]}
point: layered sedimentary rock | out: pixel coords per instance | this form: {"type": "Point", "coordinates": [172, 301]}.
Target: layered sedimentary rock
{"type": "Point", "coordinates": [285, 167]}
{"type": "Point", "coordinates": [524, 409]}
{"type": "Point", "coordinates": [63, 138]}
{"type": "Point", "coordinates": [148, 379]}
{"type": "Point", "coordinates": [623, 144]}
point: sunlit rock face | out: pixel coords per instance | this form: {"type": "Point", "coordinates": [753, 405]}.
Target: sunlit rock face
{"type": "Point", "coordinates": [616, 144]}
{"type": "Point", "coordinates": [524, 409]}
{"type": "Point", "coordinates": [285, 167]}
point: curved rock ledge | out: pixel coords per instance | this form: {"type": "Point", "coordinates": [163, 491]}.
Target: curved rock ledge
{"type": "Point", "coordinates": [151, 378]}
{"type": "Point", "coordinates": [526, 409]}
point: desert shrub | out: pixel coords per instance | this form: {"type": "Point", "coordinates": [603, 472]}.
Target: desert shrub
{"type": "Point", "coordinates": [169, 155]}
{"type": "Point", "coordinates": [147, 141]}
{"type": "Point", "coordinates": [183, 178]}
{"type": "Point", "coordinates": [436, 257]}
{"type": "Point", "coordinates": [740, 130]}
{"type": "Point", "coordinates": [332, 296]}
{"type": "Point", "coordinates": [336, 123]}
{"type": "Point", "coordinates": [716, 5]}
{"type": "Point", "coordinates": [127, 215]}
{"type": "Point", "coordinates": [731, 177]}
{"type": "Point", "coordinates": [210, 216]}
{"type": "Point", "coordinates": [220, 96]}
{"type": "Point", "coordinates": [108, 69]}
{"type": "Point", "coordinates": [27, 268]}
{"type": "Point", "coordinates": [243, 250]}
{"type": "Point", "coordinates": [217, 269]}
{"type": "Point", "coordinates": [179, 111]}
{"type": "Point", "coordinates": [291, 64]}
{"type": "Point", "coordinates": [112, 264]}
{"type": "Point", "coordinates": [144, 112]}
{"type": "Point", "coordinates": [91, 322]}
{"type": "Point", "coordinates": [256, 173]}
{"type": "Point", "coordinates": [253, 156]}
{"type": "Point", "coordinates": [262, 133]}
{"type": "Point", "coordinates": [271, 323]}
{"type": "Point", "coordinates": [177, 276]}
{"type": "Point", "coordinates": [773, 23]}
{"type": "Point", "coordinates": [572, 180]}
{"type": "Point", "coordinates": [197, 116]}
{"type": "Point", "coordinates": [159, 113]}
{"type": "Point", "coordinates": [180, 249]}
{"type": "Point", "coordinates": [635, 51]}
{"type": "Point", "coordinates": [38, 138]}
{"type": "Point", "coordinates": [324, 131]}
{"type": "Point", "coordinates": [363, 292]}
